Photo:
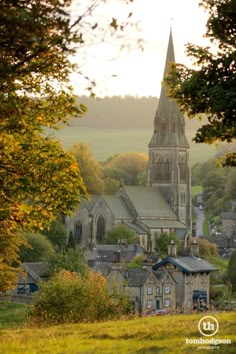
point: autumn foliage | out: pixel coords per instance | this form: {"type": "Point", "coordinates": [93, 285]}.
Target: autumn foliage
{"type": "Point", "coordinates": [71, 298]}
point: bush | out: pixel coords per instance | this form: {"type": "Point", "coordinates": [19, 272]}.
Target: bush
{"type": "Point", "coordinates": [71, 298]}
{"type": "Point", "coordinates": [39, 248]}
{"type": "Point", "coordinates": [121, 232]}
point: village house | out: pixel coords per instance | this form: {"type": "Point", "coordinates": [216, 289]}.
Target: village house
{"type": "Point", "coordinates": [192, 276]}
{"type": "Point", "coordinates": [29, 279]}
{"type": "Point", "coordinates": [148, 290]}
{"type": "Point", "coordinates": [102, 257]}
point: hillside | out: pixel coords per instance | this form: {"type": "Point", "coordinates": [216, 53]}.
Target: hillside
{"type": "Point", "coordinates": [115, 125]}
{"type": "Point", "coordinates": [163, 334]}
{"type": "Point", "coordinates": [124, 113]}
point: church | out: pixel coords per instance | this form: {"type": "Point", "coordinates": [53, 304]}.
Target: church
{"type": "Point", "coordinates": [164, 204]}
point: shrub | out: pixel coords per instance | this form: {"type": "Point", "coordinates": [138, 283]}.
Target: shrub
{"type": "Point", "coordinates": [70, 298]}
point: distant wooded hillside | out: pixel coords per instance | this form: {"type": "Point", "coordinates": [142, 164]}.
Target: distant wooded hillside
{"type": "Point", "coordinates": [124, 113]}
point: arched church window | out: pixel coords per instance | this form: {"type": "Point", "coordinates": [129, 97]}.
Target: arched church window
{"type": "Point", "coordinates": [78, 232]}
{"type": "Point", "coordinates": [100, 229]}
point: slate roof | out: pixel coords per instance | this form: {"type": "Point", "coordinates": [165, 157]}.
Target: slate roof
{"type": "Point", "coordinates": [106, 253]}
{"type": "Point", "coordinates": [136, 228]}
{"type": "Point", "coordinates": [90, 203]}
{"type": "Point", "coordinates": [34, 272]}
{"type": "Point", "coordinates": [149, 202]}
{"type": "Point", "coordinates": [188, 264]}
{"type": "Point", "coordinates": [136, 277]}
{"type": "Point", "coordinates": [163, 223]}
{"type": "Point", "coordinates": [117, 207]}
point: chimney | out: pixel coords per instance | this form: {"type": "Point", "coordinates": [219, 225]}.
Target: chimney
{"type": "Point", "coordinates": [172, 249]}
{"type": "Point", "coordinates": [194, 248]}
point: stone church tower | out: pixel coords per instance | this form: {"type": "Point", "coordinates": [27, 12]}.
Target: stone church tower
{"type": "Point", "coordinates": [169, 168]}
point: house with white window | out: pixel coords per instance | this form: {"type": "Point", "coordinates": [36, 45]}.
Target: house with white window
{"type": "Point", "coordinates": [146, 289]}
{"type": "Point", "coordinates": [192, 276]}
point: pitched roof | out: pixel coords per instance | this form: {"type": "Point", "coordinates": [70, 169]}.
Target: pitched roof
{"type": "Point", "coordinates": [107, 253]}
{"type": "Point", "coordinates": [136, 277]}
{"type": "Point", "coordinates": [136, 228]}
{"type": "Point", "coordinates": [117, 207]}
{"type": "Point", "coordinates": [149, 202]}
{"type": "Point", "coordinates": [161, 223]}
{"type": "Point", "coordinates": [188, 264]}
{"type": "Point", "coordinates": [34, 272]}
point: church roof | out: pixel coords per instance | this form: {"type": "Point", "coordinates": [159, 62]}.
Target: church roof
{"type": "Point", "coordinates": [137, 228]}
{"type": "Point", "coordinates": [117, 207]}
{"type": "Point", "coordinates": [149, 202]}
{"type": "Point", "coordinates": [169, 122]}
{"type": "Point", "coordinates": [188, 264]}
{"type": "Point", "coordinates": [163, 224]}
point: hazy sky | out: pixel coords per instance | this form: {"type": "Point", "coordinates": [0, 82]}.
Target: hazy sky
{"type": "Point", "coordinates": [137, 72]}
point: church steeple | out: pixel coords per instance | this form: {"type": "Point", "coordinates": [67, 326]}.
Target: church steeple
{"type": "Point", "coordinates": [168, 167]}
{"type": "Point", "coordinates": [169, 122]}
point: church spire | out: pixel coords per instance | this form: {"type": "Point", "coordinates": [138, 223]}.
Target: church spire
{"type": "Point", "coordinates": [169, 122]}
{"type": "Point", "coordinates": [168, 167]}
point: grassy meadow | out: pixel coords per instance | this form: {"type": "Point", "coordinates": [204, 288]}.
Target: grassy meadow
{"type": "Point", "coordinates": [163, 334]}
{"type": "Point", "coordinates": [107, 142]}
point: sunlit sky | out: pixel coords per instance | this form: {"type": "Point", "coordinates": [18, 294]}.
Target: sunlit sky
{"type": "Point", "coordinates": [136, 72]}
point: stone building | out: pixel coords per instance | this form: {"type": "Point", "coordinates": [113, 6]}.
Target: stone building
{"type": "Point", "coordinates": [192, 276]}
{"type": "Point", "coordinates": [146, 289]}
{"type": "Point", "coordinates": [164, 204]}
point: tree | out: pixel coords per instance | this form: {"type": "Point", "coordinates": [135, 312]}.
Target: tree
{"type": "Point", "coordinates": [127, 166]}
{"type": "Point", "coordinates": [137, 262]}
{"type": "Point", "coordinates": [38, 179]}
{"type": "Point", "coordinates": [68, 297]}
{"type": "Point", "coordinates": [56, 234]}
{"type": "Point", "coordinates": [211, 88]}
{"type": "Point", "coordinates": [231, 270]}
{"type": "Point", "coordinates": [71, 241]}
{"type": "Point", "coordinates": [207, 248]}
{"type": "Point", "coordinates": [39, 248]}
{"type": "Point", "coordinates": [119, 233]}
{"type": "Point", "coordinates": [162, 242]}
{"type": "Point", "coordinates": [90, 169]}
{"type": "Point", "coordinates": [9, 258]}
{"type": "Point", "coordinates": [72, 260]}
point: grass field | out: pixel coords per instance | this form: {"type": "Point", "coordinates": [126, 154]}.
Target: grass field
{"type": "Point", "coordinates": [164, 334]}
{"type": "Point", "coordinates": [107, 142]}
{"type": "Point", "coordinates": [11, 314]}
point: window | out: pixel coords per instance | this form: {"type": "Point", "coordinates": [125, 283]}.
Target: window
{"type": "Point", "coordinates": [167, 289]}
{"type": "Point", "coordinates": [149, 304]}
{"type": "Point", "coordinates": [100, 228]}
{"type": "Point", "coordinates": [78, 232]}
{"type": "Point", "coordinates": [167, 303]}
{"type": "Point", "coordinates": [149, 290]}
{"type": "Point", "coordinates": [158, 290]}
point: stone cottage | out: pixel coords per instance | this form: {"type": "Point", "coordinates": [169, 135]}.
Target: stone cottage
{"type": "Point", "coordinates": [146, 289]}
{"type": "Point", "coordinates": [192, 276]}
